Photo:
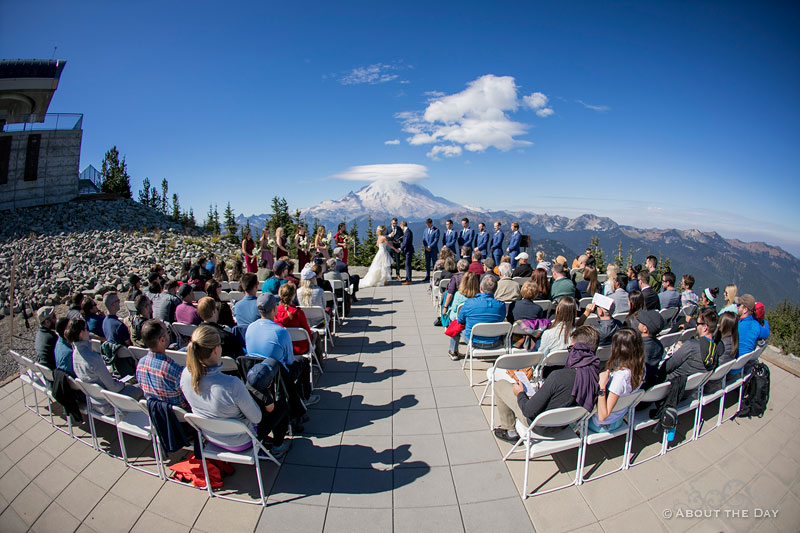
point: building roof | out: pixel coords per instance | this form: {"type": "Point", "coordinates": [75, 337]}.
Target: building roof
{"type": "Point", "coordinates": [26, 88]}
{"type": "Point", "coordinates": [31, 68]}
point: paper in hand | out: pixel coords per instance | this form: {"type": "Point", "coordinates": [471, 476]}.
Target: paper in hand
{"type": "Point", "coordinates": [525, 382]}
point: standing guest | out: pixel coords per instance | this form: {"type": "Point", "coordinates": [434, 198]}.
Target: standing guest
{"type": "Point", "coordinates": [561, 286]}
{"type": "Point", "coordinates": [482, 240]}
{"type": "Point", "coordinates": [320, 244]}
{"type": "Point", "coordinates": [623, 375]}
{"type": "Point", "coordinates": [225, 317]}
{"type": "Point", "coordinates": [482, 308]}
{"type": "Point", "coordinates": [635, 304]}
{"type": "Point", "coordinates": [46, 337]}
{"type": "Point", "coordinates": [165, 304]}
{"type": "Point", "coordinates": [707, 298]}
{"type": "Point", "coordinates": [186, 313]}
{"type": "Point", "coordinates": [589, 285]}
{"type": "Point", "coordinates": [274, 283]}
{"type": "Point", "coordinates": [90, 368]}
{"type": "Point", "coordinates": [654, 278]}
{"type": "Point", "coordinates": [450, 237]}
{"type": "Point", "coordinates": [476, 267]}
{"type": "Point", "coordinates": [497, 243]}
{"type": "Point", "coordinates": [208, 309]}
{"type": "Point", "coordinates": [341, 240]}
{"type": "Point", "coordinates": [236, 271]}
{"type": "Point", "coordinates": [466, 236]}
{"type": "Point", "coordinates": [220, 273]}
{"type": "Point", "coordinates": [507, 289]}
{"type": "Point", "coordinates": [612, 270]}
{"type": "Point", "coordinates": [248, 248]}
{"type": "Point", "coordinates": [158, 375]}
{"type": "Point", "coordinates": [341, 268]}
{"type": "Point", "coordinates": [93, 317]}
{"type": "Point", "coordinates": [619, 294]}
{"type": "Point", "coordinates": [144, 312]}
{"type": "Point", "coordinates": [523, 270]}
{"type": "Point", "coordinates": [651, 300]}
{"type": "Point", "coordinates": [430, 241]}
{"type": "Point", "coordinates": [650, 323]}
{"type": "Point", "coordinates": [633, 278]}
{"type": "Point", "coordinates": [688, 296]}
{"type": "Point", "coordinates": [526, 308]}
{"type": "Point", "coordinates": [556, 337]}
{"type": "Point", "coordinates": [543, 263]}
{"type": "Point", "coordinates": [730, 294]}
{"type": "Point", "coordinates": [266, 250]}
{"type": "Point", "coordinates": [76, 301]}
{"type": "Point", "coordinates": [211, 264]}
{"type": "Point", "coordinates": [514, 244]}
{"type": "Point", "coordinates": [289, 316]}
{"type": "Point", "coordinates": [63, 348]}
{"type": "Point", "coordinates": [135, 287]}
{"type": "Point", "coordinates": [113, 329]}
{"type": "Point", "coordinates": [301, 244]}
{"type": "Point", "coordinates": [669, 297]}
{"type": "Point", "coordinates": [541, 285]}
{"type": "Point", "coordinates": [246, 310]}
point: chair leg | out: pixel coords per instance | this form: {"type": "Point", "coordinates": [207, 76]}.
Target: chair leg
{"type": "Point", "coordinates": [258, 474]}
{"type": "Point", "coordinates": [122, 449]}
{"type": "Point", "coordinates": [205, 467]}
{"type": "Point", "coordinates": [527, 466]}
{"type": "Point", "coordinates": [491, 412]}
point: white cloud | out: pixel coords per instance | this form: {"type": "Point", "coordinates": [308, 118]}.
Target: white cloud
{"type": "Point", "coordinates": [392, 141]}
{"type": "Point", "coordinates": [447, 150]}
{"type": "Point", "coordinates": [371, 74]}
{"type": "Point", "coordinates": [407, 172]}
{"type": "Point", "coordinates": [474, 119]}
{"type": "Point", "coordinates": [599, 108]}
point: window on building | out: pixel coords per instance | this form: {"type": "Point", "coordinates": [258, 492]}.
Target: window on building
{"type": "Point", "coordinates": [32, 157]}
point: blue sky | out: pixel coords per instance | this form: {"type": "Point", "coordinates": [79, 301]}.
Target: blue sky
{"type": "Point", "coordinates": [678, 114]}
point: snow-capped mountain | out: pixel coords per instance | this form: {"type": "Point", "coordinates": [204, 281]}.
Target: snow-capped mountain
{"type": "Point", "coordinates": [382, 198]}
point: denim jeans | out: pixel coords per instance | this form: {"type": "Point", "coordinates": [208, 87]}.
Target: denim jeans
{"type": "Point", "coordinates": [484, 346]}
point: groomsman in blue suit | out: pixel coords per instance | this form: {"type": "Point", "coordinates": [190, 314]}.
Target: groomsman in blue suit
{"type": "Point", "coordinates": [513, 244]}
{"type": "Point", "coordinates": [497, 243]}
{"type": "Point", "coordinates": [450, 238]}
{"type": "Point", "coordinates": [430, 240]}
{"type": "Point", "coordinates": [467, 236]}
{"type": "Point", "coordinates": [482, 241]}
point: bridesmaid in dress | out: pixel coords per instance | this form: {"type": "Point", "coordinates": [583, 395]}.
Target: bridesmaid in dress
{"type": "Point", "coordinates": [248, 246]}
{"type": "Point", "coordinates": [266, 250]}
{"type": "Point", "coordinates": [341, 240]}
{"type": "Point", "coordinates": [320, 247]}
{"type": "Point", "coordinates": [302, 251]}
{"type": "Point", "coordinates": [280, 243]}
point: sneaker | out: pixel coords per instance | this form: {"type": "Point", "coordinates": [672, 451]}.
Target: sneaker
{"type": "Point", "coordinates": [279, 451]}
{"type": "Point", "coordinates": [314, 398]}
{"type": "Point", "coordinates": [506, 435]}
{"type": "Point", "coordinates": [455, 356]}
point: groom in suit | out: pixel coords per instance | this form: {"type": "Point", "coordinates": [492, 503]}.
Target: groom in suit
{"type": "Point", "coordinates": [407, 249]}
{"type": "Point", "coordinates": [430, 241]}
{"type": "Point", "coordinates": [497, 243]}
{"type": "Point", "coordinates": [396, 236]}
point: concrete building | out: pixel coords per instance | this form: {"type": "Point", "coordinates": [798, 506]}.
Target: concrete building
{"type": "Point", "coordinates": [39, 152]}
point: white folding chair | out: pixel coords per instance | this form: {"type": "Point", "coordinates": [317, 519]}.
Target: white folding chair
{"type": "Point", "coordinates": [592, 320]}
{"type": "Point", "coordinates": [516, 329]}
{"type": "Point", "coordinates": [521, 280]}
{"type": "Point", "coordinates": [197, 295]}
{"type": "Point", "coordinates": [537, 445]}
{"type": "Point", "coordinates": [338, 285]}
{"type": "Point", "coordinates": [96, 344]}
{"type": "Point", "coordinates": [235, 296]}
{"type": "Point", "coordinates": [668, 314]}
{"type": "Point", "coordinates": [229, 427]}
{"type": "Point", "coordinates": [45, 386]}
{"type": "Point", "coordinates": [555, 358]}
{"type": "Point", "coordinates": [546, 305]}
{"type": "Point", "coordinates": [82, 407]}
{"type": "Point", "coordinates": [602, 278]}
{"type": "Point", "coordinates": [224, 286]}
{"type": "Point", "coordinates": [487, 329]}
{"type": "Point", "coordinates": [178, 357]}
{"type": "Point", "coordinates": [641, 420]}
{"type": "Point", "coordinates": [620, 316]}
{"type": "Point", "coordinates": [436, 275]}
{"type": "Point", "coordinates": [228, 364]}
{"type": "Point", "coordinates": [224, 296]}
{"type": "Point", "coordinates": [183, 332]}
{"type": "Point", "coordinates": [718, 377]}
{"type": "Point", "coordinates": [604, 353]}
{"type": "Point", "coordinates": [625, 404]}
{"type": "Point", "coordinates": [318, 321]}
{"type": "Point", "coordinates": [670, 339]}
{"type": "Point", "coordinates": [299, 334]}
{"type": "Point", "coordinates": [688, 334]}
{"type": "Point", "coordinates": [130, 306]}
{"type": "Point", "coordinates": [439, 291]}
{"type": "Point", "coordinates": [330, 299]}
{"type": "Point", "coordinates": [25, 377]}
{"type": "Point", "coordinates": [132, 418]}
{"type": "Point", "coordinates": [137, 352]}
{"type": "Point", "coordinates": [694, 384]}
{"type": "Point", "coordinates": [737, 381]}
{"type": "Point", "coordinates": [505, 362]}
{"type": "Point", "coordinates": [37, 382]}
{"type": "Point", "coordinates": [584, 302]}
{"type": "Point", "coordinates": [94, 394]}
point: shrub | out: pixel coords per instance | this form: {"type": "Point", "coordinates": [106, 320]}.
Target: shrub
{"type": "Point", "coordinates": [784, 326]}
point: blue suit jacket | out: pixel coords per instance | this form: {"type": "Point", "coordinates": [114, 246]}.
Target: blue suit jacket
{"type": "Point", "coordinates": [407, 244]}
{"type": "Point", "coordinates": [430, 238]}
{"type": "Point", "coordinates": [482, 243]}
{"type": "Point", "coordinates": [513, 243]}
{"type": "Point", "coordinates": [466, 237]}
{"type": "Point", "coordinates": [497, 240]}
{"type": "Point", "coordinates": [451, 241]}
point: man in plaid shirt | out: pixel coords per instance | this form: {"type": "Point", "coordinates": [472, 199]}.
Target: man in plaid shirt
{"type": "Point", "coordinates": [158, 375]}
{"type": "Point", "coordinates": [688, 296]}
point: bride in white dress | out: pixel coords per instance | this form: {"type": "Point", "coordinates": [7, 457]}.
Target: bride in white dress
{"type": "Point", "coordinates": [380, 270]}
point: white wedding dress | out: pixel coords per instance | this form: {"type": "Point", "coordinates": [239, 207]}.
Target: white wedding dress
{"type": "Point", "coordinates": [380, 271]}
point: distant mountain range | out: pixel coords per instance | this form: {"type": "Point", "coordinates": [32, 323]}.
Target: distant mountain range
{"type": "Point", "coordinates": [768, 272]}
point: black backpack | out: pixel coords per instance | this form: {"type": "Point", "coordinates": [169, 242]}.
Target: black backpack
{"type": "Point", "coordinates": [756, 392]}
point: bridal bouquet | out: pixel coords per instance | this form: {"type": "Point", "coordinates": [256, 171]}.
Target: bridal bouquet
{"type": "Point", "coordinates": [272, 243]}
{"type": "Point", "coordinates": [326, 240]}
{"type": "Point", "coordinates": [304, 242]}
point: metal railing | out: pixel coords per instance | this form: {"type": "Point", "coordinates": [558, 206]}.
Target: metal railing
{"type": "Point", "coordinates": [52, 121]}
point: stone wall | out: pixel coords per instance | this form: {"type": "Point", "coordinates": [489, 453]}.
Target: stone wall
{"type": "Point", "coordinates": [57, 176]}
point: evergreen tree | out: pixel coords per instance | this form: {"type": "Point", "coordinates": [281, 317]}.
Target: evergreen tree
{"type": "Point", "coordinates": [155, 199]}
{"type": "Point", "coordinates": [619, 259]}
{"type": "Point", "coordinates": [369, 247]}
{"type": "Point", "coordinates": [597, 253]}
{"type": "Point", "coordinates": [209, 222]}
{"type": "Point", "coordinates": [355, 241]}
{"type": "Point", "coordinates": [316, 225]}
{"type": "Point", "coordinates": [230, 224]}
{"type": "Point", "coordinates": [245, 229]}
{"type": "Point", "coordinates": [176, 208]}
{"type": "Point", "coordinates": [144, 192]}
{"type": "Point", "coordinates": [115, 178]}
{"type": "Point", "coordinates": [629, 262]}
{"type": "Point", "coordinates": [280, 216]}
{"type": "Point", "coordinates": [216, 229]}
{"type": "Point", "coordinates": [164, 196]}
{"type": "Point", "coordinates": [191, 219]}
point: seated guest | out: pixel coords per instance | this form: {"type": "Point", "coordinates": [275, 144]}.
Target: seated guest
{"type": "Point", "coordinates": [669, 297]}
{"type": "Point", "coordinates": [236, 270]}
{"type": "Point", "coordinates": [526, 308]}
{"type": "Point", "coordinates": [633, 278]}
{"type": "Point", "coordinates": [449, 268]}
{"type": "Point", "coordinates": [507, 289]}
{"type": "Point", "coordinates": [730, 299]}
{"type": "Point", "coordinates": [698, 354]}
{"type": "Point", "coordinates": [93, 316]}
{"type": "Point", "coordinates": [612, 270]}
{"type": "Point", "coordinates": [90, 368]}
{"type": "Point", "coordinates": [476, 267]}
{"type": "Point", "coordinates": [76, 301]}
{"type": "Point", "coordinates": [575, 384]}
{"type": "Point", "coordinates": [488, 270]}
{"type": "Point", "coordinates": [503, 259]}
{"type": "Point", "coordinates": [466, 252]}
{"type": "Point", "coordinates": [728, 327]}
{"type": "Point", "coordinates": [198, 275]}
{"type": "Point", "coordinates": [468, 288]}
{"type": "Point", "coordinates": [561, 260]}
{"type": "Point", "coordinates": [654, 278]}
{"type": "Point", "coordinates": [135, 287]}
{"type": "Point", "coordinates": [165, 303]}
{"type": "Point", "coordinates": [186, 267]}
{"type": "Point", "coordinates": [624, 374]}
{"type": "Point", "coordinates": [264, 272]}
{"type": "Point", "coordinates": [154, 284]}
{"type": "Point", "coordinates": [220, 271]}
{"type": "Point", "coordinates": [523, 270]}
{"type": "Point", "coordinates": [280, 270]}
{"type": "Point", "coordinates": [289, 316]}
{"type": "Point", "coordinates": [650, 323]}
{"type": "Point", "coordinates": [63, 348]}
{"type": "Point", "coordinates": [688, 296]}
{"type": "Point", "coordinates": [225, 318]}
{"type": "Point", "coordinates": [707, 298]}
{"type": "Point", "coordinates": [589, 285]}
{"type": "Point", "coordinates": [341, 268]}
{"type": "Point", "coordinates": [208, 309]}
{"type": "Point", "coordinates": [158, 375]}
{"type": "Point", "coordinates": [618, 293]}
{"type": "Point", "coordinates": [144, 312]}
{"type": "Point", "coordinates": [455, 280]}
{"type": "Point", "coordinates": [556, 337]}
{"type": "Point", "coordinates": [651, 300]}
{"type": "Point", "coordinates": [607, 325]}
{"type": "Point", "coordinates": [562, 285]}
{"type": "Point", "coordinates": [246, 309]}
{"type": "Point", "coordinates": [751, 330]}
{"type": "Point", "coordinates": [186, 313]}
{"type": "Point", "coordinates": [479, 309]}
{"type": "Point", "coordinates": [290, 272]}
{"type": "Point", "coordinates": [46, 337]}
{"type": "Point", "coordinates": [577, 272]}
{"type": "Point", "coordinates": [543, 263]}
{"type": "Point", "coordinates": [635, 304]}
{"type": "Point", "coordinates": [323, 283]}
{"type": "Point", "coordinates": [541, 285]}
{"type": "Point", "coordinates": [211, 263]}
{"type": "Point", "coordinates": [443, 255]}
{"type": "Point", "coordinates": [113, 329]}
{"type": "Point", "coordinates": [309, 294]}
{"type": "Point", "coordinates": [266, 338]}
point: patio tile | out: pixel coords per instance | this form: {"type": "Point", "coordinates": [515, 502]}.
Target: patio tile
{"type": "Point", "coordinates": [423, 487]}
{"type": "Point", "coordinates": [416, 422]}
{"type": "Point", "coordinates": [12, 523]}
{"type": "Point", "coordinates": [471, 447]}
{"type": "Point", "coordinates": [137, 487]}
{"type": "Point", "coordinates": [150, 522]}
{"type": "Point", "coordinates": [416, 398]}
{"type": "Point", "coordinates": [481, 482]}
{"type": "Point", "coordinates": [366, 451]}
{"type": "Point", "coordinates": [354, 520]}
{"type": "Point", "coordinates": [508, 514]}
{"type": "Point", "coordinates": [275, 517]}
{"type": "Point", "coordinates": [178, 503]}
{"type": "Point", "coordinates": [77, 457]}
{"type": "Point", "coordinates": [610, 495]}
{"type": "Point", "coordinates": [443, 519]}
{"type": "Point", "coordinates": [12, 483]}
{"type": "Point", "coordinates": [55, 518]}
{"type": "Point", "coordinates": [426, 449]}
{"type": "Point", "coordinates": [563, 510]}
{"type": "Point", "coordinates": [371, 422]}
{"type": "Point", "coordinates": [362, 487]}
{"type": "Point", "coordinates": [222, 515]}
{"type": "Point", "coordinates": [314, 451]}
{"type": "Point", "coordinates": [641, 515]}
{"type": "Point", "coordinates": [460, 419]}
{"type": "Point", "coordinates": [54, 479]}
{"type": "Point", "coordinates": [454, 397]}
{"type": "Point", "coordinates": [80, 497]}
{"type": "Point", "coordinates": [113, 513]}
{"type": "Point", "coordinates": [309, 485]}
{"type": "Point", "coordinates": [104, 471]}
{"type": "Point", "coordinates": [30, 503]}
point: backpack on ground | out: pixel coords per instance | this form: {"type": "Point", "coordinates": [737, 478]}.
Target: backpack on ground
{"type": "Point", "coordinates": [756, 392]}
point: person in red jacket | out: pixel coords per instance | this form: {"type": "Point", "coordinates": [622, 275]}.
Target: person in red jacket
{"type": "Point", "coordinates": [290, 316]}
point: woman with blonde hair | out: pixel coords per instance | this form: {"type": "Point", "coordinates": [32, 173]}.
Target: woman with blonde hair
{"type": "Point", "coordinates": [266, 249]}
{"type": "Point", "coordinates": [556, 337]}
{"type": "Point", "coordinates": [589, 285]}
{"type": "Point", "coordinates": [611, 271]}
{"type": "Point", "coordinates": [731, 291]}
{"type": "Point", "coordinates": [320, 244]}
{"type": "Point", "coordinates": [541, 262]}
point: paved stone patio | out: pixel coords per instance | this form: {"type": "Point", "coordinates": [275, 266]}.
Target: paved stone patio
{"type": "Point", "coordinates": [399, 443]}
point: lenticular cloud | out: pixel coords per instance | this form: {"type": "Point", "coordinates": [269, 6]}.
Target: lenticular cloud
{"type": "Point", "coordinates": [474, 119]}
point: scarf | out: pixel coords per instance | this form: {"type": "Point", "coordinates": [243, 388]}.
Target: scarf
{"type": "Point", "coordinates": [587, 374]}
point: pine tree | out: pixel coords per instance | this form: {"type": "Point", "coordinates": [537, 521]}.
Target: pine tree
{"type": "Point", "coordinates": [216, 228]}
{"type": "Point", "coordinates": [176, 208]}
{"type": "Point", "coordinates": [230, 224]}
{"type": "Point", "coordinates": [190, 219]}
{"type": "Point", "coordinates": [164, 196]}
{"type": "Point", "coordinates": [144, 192]}
{"type": "Point", "coordinates": [619, 259]}
{"type": "Point", "coordinates": [355, 242]}
{"type": "Point", "coordinates": [115, 178]}
{"type": "Point", "coordinates": [597, 253]}
{"type": "Point", "coordinates": [280, 216]}
{"type": "Point", "coordinates": [209, 222]}
{"type": "Point", "coordinates": [155, 199]}
{"type": "Point", "coordinates": [245, 229]}
{"type": "Point", "coordinates": [369, 247]}
{"type": "Point", "coordinates": [629, 262]}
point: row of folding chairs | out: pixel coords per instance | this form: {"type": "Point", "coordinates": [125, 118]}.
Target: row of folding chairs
{"type": "Point", "coordinates": [704, 388]}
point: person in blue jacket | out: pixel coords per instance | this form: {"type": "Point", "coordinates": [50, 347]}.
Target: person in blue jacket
{"type": "Point", "coordinates": [467, 236]}
{"type": "Point", "coordinates": [750, 330]}
{"type": "Point", "coordinates": [430, 241]}
{"type": "Point", "coordinates": [482, 240]}
{"type": "Point", "coordinates": [450, 238]}
{"type": "Point", "coordinates": [497, 243]}
{"type": "Point", "coordinates": [514, 244]}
